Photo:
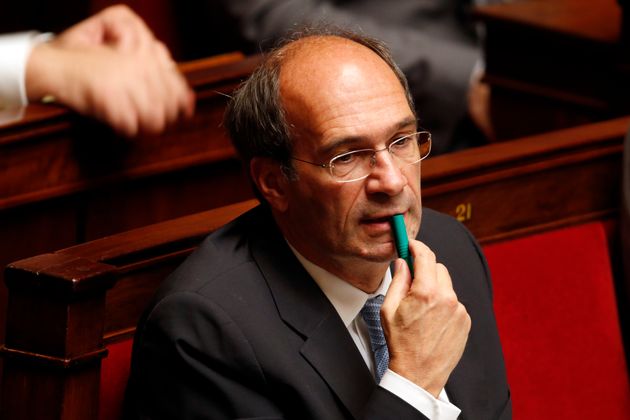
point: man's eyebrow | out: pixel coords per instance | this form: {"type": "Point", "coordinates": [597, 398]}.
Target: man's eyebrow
{"type": "Point", "coordinates": [410, 122]}
{"type": "Point", "coordinates": [347, 142]}
{"type": "Point", "coordinates": [407, 123]}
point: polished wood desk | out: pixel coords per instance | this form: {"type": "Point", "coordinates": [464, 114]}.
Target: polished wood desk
{"type": "Point", "coordinates": [66, 307]}
{"type": "Point", "coordinates": [553, 64]}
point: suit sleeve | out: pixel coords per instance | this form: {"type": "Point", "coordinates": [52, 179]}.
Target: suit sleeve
{"type": "Point", "coordinates": [192, 362]}
{"type": "Point", "coordinates": [385, 405]}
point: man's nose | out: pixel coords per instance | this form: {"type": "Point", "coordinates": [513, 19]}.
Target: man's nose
{"type": "Point", "coordinates": [387, 176]}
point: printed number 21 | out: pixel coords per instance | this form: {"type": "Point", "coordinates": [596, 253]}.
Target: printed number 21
{"type": "Point", "coordinates": [464, 212]}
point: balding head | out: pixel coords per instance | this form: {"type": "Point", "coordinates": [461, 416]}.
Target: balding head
{"type": "Point", "coordinates": [326, 79]}
{"type": "Point", "coordinates": [256, 117]}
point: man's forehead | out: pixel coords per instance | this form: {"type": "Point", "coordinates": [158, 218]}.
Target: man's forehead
{"type": "Point", "coordinates": [318, 66]}
{"type": "Point", "coordinates": [332, 87]}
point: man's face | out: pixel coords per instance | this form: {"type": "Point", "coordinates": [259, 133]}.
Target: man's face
{"type": "Point", "coordinates": [341, 96]}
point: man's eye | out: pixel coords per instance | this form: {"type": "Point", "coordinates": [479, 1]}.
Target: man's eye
{"type": "Point", "coordinates": [402, 142]}
{"type": "Point", "coordinates": [344, 159]}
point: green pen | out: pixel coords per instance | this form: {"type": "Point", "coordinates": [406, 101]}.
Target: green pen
{"type": "Point", "coordinates": [401, 240]}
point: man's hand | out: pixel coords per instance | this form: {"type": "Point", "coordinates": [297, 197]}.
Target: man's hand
{"type": "Point", "coordinates": [426, 327]}
{"type": "Point", "coordinates": [111, 67]}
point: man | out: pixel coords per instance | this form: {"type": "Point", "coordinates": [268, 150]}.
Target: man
{"type": "Point", "coordinates": [110, 66]}
{"type": "Point", "coordinates": [265, 319]}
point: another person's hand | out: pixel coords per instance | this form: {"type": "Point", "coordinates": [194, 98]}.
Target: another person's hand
{"type": "Point", "coordinates": [110, 66]}
{"type": "Point", "coordinates": [425, 326]}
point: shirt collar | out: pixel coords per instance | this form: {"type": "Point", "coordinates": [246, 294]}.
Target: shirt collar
{"type": "Point", "coordinates": [346, 299]}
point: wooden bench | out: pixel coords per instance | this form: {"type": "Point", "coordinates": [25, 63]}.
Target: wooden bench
{"type": "Point", "coordinates": [68, 308]}
{"type": "Point", "coordinates": [65, 180]}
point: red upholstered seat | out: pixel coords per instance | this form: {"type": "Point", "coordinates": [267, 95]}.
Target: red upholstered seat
{"type": "Point", "coordinates": [557, 316]}
{"type": "Point", "coordinates": [114, 374]}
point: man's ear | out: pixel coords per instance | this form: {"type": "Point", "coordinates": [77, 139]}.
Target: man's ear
{"type": "Point", "coordinates": [270, 181]}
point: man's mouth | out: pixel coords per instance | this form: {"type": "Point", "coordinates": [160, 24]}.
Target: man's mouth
{"type": "Point", "coordinates": [370, 220]}
{"type": "Point", "coordinates": [381, 217]}
{"type": "Point", "coordinates": [378, 224]}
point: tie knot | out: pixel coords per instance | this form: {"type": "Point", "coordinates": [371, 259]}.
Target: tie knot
{"type": "Point", "coordinates": [371, 311]}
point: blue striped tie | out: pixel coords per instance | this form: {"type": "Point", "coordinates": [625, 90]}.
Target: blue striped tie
{"type": "Point", "coordinates": [372, 317]}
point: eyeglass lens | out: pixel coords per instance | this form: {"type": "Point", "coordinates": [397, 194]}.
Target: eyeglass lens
{"type": "Point", "coordinates": [359, 163]}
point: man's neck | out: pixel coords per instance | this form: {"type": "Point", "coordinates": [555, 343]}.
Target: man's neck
{"type": "Point", "coordinates": [364, 275]}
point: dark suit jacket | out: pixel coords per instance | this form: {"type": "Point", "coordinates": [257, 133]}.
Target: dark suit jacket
{"type": "Point", "coordinates": [241, 330]}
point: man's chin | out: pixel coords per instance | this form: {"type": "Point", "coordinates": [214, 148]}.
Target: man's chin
{"type": "Point", "coordinates": [383, 253]}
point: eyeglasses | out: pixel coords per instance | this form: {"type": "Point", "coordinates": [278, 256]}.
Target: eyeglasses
{"type": "Point", "coordinates": [358, 164]}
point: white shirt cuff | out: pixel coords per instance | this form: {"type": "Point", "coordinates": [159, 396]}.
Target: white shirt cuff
{"type": "Point", "coordinates": [14, 52]}
{"type": "Point", "coordinates": [433, 408]}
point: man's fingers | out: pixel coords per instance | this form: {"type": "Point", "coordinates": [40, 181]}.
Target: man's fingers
{"type": "Point", "coordinates": [163, 56]}
{"type": "Point", "coordinates": [176, 95]}
{"type": "Point", "coordinates": [112, 68]}
{"type": "Point", "coordinates": [125, 30]}
{"type": "Point", "coordinates": [182, 98]}
{"type": "Point", "coordinates": [401, 281]}
{"type": "Point", "coordinates": [122, 117]}
{"type": "Point", "coordinates": [424, 266]}
{"type": "Point", "coordinates": [187, 99]}
{"type": "Point", "coordinates": [443, 275]}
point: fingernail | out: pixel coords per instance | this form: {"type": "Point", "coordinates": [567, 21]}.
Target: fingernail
{"type": "Point", "coordinates": [399, 264]}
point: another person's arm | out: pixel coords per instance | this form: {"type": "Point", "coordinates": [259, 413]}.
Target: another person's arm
{"type": "Point", "coordinates": [111, 67]}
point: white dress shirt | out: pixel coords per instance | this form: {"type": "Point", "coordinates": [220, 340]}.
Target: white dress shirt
{"type": "Point", "coordinates": [14, 52]}
{"type": "Point", "coordinates": [348, 302]}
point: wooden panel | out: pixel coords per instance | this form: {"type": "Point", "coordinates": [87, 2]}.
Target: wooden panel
{"type": "Point", "coordinates": [30, 231]}
{"type": "Point", "coordinates": [51, 153]}
{"type": "Point", "coordinates": [150, 200]}
{"type": "Point", "coordinates": [600, 21]}
{"type": "Point", "coordinates": [565, 58]}
{"type": "Point", "coordinates": [66, 179]}
{"type": "Point", "coordinates": [531, 184]}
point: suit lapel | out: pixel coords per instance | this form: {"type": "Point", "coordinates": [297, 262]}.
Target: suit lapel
{"type": "Point", "coordinates": [333, 354]}
{"type": "Point", "coordinates": [328, 347]}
